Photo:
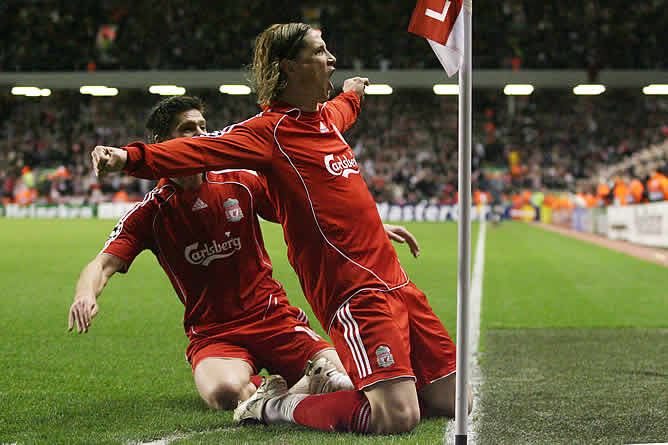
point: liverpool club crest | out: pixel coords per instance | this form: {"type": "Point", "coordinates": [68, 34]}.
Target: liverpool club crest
{"type": "Point", "coordinates": [384, 356]}
{"type": "Point", "coordinates": [233, 210]}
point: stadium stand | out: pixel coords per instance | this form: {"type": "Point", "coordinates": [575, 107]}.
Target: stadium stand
{"type": "Point", "coordinates": [405, 143]}
{"type": "Point", "coordinates": [44, 35]}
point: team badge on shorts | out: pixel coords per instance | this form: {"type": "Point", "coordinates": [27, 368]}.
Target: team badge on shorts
{"type": "Point", "coordinates": [384, 356]}
{"type": "Point", "coordinates": [233, 210]}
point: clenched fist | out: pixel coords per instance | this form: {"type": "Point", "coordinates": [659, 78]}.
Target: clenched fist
{"type": "Point", "coordinates": [108, 160]}
{"type": "Point", "coordinates": [356, 84]}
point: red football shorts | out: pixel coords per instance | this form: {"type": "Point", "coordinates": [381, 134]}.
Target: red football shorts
{"type": "Point", "coordinates": [386, 335]}
{"type": "Point", "coordinates": [281, 341]}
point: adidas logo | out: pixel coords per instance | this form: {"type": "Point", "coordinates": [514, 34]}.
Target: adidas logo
{"type": "Point", "coordinates": [199, 205]}
{"type": "Point", "coordinates": [323, 129]}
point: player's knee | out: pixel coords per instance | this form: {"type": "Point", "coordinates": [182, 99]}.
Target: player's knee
{"type": "Point", "coordinates": [225, 395]}
{"type": "Point", "coordinates": [445, 406]}
{"type": "Point", "coordinates": [407, 420]}
{"type": "Point", "coordinates": [403, 420]}
{"type": "Point", "coordinates": [400, 418]}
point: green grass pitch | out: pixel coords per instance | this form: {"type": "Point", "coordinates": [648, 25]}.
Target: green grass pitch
{"type": "Point", "coordinates": [127, 381]}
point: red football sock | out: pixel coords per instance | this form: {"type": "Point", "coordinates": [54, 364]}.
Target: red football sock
{"type": "Point", "coordinates": [256, 380]}
{"type": "Point", "coordinates": [343, 411]}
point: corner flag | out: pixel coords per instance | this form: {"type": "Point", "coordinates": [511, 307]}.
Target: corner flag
{"type": "Point", "coordinates": [443, 27]}
{"type": "Point", "coordinates": [446, 24]}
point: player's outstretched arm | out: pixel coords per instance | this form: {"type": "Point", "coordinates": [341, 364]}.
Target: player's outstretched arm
{"type": "Point", "coordinates": [93, 279]}
{"type": "Point", "coordinates": [401, 234]}
{"type": "Point", "coordinates": [108, 160]}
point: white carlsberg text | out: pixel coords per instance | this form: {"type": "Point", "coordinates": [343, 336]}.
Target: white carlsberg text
{"type": "Point", "coordinates": [341, 165]}
{"type": "Point", "coordinates": [211, 251]}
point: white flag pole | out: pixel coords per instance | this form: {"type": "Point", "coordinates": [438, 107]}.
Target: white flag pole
{"type": "Point", "coordinates": [464, 235]}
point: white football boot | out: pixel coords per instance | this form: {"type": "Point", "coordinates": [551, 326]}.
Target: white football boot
{"type": "Point", "coordinates": [251, 410]}
{"type": "Point", "coordinates": [322, 377]}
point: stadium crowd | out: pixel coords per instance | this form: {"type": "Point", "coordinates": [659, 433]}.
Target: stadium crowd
{"type": "Point", "coordinates": [44, 35]}
{"type": "Point", "coordinates": [405, 143]}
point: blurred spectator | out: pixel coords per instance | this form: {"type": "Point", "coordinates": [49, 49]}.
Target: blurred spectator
{"type": "Point", "coordinates": [405, 143]}
{"type": "Point", "coordinates": [603, 193]}
{"type": "Point", "coordinates": [509, 34]}
{"type": "Point", "coordinates": [620, 192]}
{"type": "Point", "coordinates": [657, 187]}
{"type": "Point", "coordinates": [636, 190]}
{"type": "Point", "coordinates": [28, 177]}
{"type": "Point", "coordinates": [121, 196]}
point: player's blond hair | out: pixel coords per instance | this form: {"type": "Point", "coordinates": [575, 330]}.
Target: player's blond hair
{"type": "Point", "coordinates": [278, 42]}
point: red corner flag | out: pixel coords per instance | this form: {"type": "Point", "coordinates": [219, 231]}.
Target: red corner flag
{"type": "Point", "coordinates": [441, 23]}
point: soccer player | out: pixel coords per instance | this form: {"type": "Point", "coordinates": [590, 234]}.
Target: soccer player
{"type": "Point", "coordinates": [394, 348]}
{"type": "Point", "coordinates": [204, 231]}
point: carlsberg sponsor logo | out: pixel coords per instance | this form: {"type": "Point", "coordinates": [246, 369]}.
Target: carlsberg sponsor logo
{"type": "Point", "coordinates": [211, 251]}
{"type": "Point", "coordinates": [341, 165]}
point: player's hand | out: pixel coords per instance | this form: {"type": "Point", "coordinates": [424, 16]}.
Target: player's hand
{"type": "Point", "coordinates": [108, 160]}
{"type": "Point", "coordinates": [82, 312]}
{"type": "Point", "coordinates": [356, 84]}
{"type": "Point", "coordinates": [401, 235]}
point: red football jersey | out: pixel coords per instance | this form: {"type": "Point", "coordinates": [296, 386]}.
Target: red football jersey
{"type": "Point", "coordinates": [335, 238]}
{"type": "Point", "coordinates": [209, 243]}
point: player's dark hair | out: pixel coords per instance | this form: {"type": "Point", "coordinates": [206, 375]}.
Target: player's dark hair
{"type": "Point", "coordinates": [161, 118]}
{"type": "Point", "coordinates": [278, 42]}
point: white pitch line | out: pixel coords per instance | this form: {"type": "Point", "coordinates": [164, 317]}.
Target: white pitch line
{"type": "Point", "coordinates": [476, 287]}
{"type": "Point", "coordinates": [476, 309]}
{"type": "Point", "coordinates": [164, 440]}
{"type": "Point", "coordinates": [474, 338]}
{"type": "Point", "coordinates": [168, 439]}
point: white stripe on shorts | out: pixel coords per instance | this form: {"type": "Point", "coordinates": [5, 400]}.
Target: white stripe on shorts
{"type": "Point", "coordinates": [350, 345]}
{"type": "Point", "coordinates": [359, 339]}
{"type": "Point", "coordinates": [308, 331]}
{"type": "Point", "coordinates": [352, 335]}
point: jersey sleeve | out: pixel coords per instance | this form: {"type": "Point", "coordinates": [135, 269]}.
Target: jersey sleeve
{"type": "Point", "coordinates": [263, 205]}
{"type": "Point", "coordinates": [344, 109]}
{"type": "Point", "coordinates": [246, 145]}
{"type": "Point", "coordinates": [131, 235]}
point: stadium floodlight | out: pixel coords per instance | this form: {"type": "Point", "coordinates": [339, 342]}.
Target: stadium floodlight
{"type": "Point", "coordinates": [446, 89]}
{"type": "Point", "coordinates": [590, 90]}
{"type": "Point", "coordinates": [235, 89]}
{"type": "Point", "coordinates": [98, 90]}
{"type": "Point", "coordinates": [30, 91]}
{"type": "Point", "coordinates": [656, 88]}
{"type": "Point", "coordinates": [167, 90]}
{"type": "Point", "coordinates": [378, 88]}
{"type": "Point", "coordinates": [519, 89]}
